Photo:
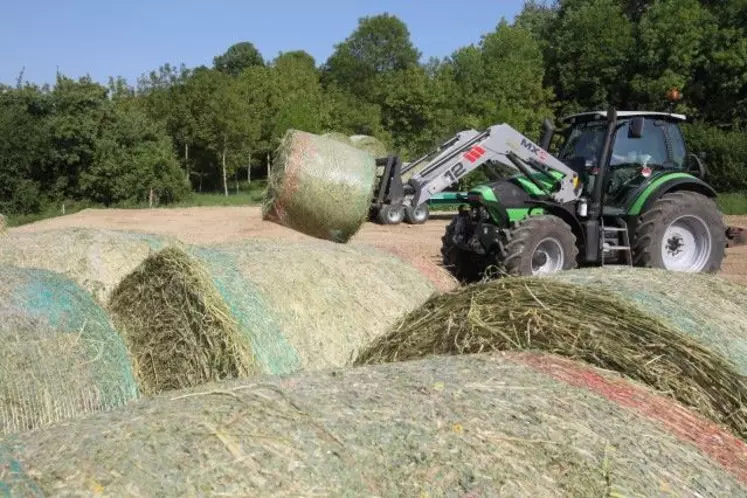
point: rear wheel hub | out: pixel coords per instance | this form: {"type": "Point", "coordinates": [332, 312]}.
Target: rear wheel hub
{"type": "Point", "coordinates": [686, 245]}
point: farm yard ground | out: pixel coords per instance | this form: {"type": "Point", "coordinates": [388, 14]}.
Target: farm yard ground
{"type": "Point", "coordinates": [209, 225]}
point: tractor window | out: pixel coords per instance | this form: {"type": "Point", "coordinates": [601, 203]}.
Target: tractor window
{"type": "Point", "coordinates": [584, 141]}
{"type": "Point", "coordinates": [650, 149]}
{"type": "Point", "coordinates": [677, 144]}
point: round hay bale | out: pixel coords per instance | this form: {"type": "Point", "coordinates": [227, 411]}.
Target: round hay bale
{"type": "Point", "coordinates": [470, 426]}
{"type": "Point", "coordinates": [319, 187]}
{"type": "Point", "coordinates": [3, 224]}
{"type": "Point", "coordinates": [571, 320]}
{"type": "Point", "coordinates": [340, 137]}
{"type": "Point", "coordinates": [95, 259]}
{"type": "Point", "coordinates": [710, 309]}
{"type": "Point", "coordinates": [60, 357]}
{"type": "Point", "coordinates": [207, 313]}
{"type": "Point", "coordinates": [372, 145]}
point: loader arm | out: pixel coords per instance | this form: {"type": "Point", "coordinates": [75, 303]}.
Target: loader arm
{"type": "Point", "coordinates": [500, 143]}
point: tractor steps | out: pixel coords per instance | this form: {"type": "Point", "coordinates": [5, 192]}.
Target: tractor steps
{"type": "Point", "coordinates": [623, 247]}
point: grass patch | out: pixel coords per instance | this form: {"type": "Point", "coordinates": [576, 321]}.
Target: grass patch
{"type": "Point", "coordinates": [733, 204]}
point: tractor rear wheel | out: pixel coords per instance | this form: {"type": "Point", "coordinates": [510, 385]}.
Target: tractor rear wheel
{"type": "Point", "coordinates": [682, 231]}
{"type": "Point", "coordinates": [540, 245]}
{"type": "Point", "coordinates": [465, 266]}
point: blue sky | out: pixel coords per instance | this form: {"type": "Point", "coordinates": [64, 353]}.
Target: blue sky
{"type": "Point", "coordinates": [129, 38]}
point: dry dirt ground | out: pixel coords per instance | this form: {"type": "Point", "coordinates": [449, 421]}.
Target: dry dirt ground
{"type": "Point", "coordinates": [418, 244]}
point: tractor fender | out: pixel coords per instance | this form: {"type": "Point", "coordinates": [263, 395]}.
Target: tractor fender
{"type": "Point", "coordinates": [567, 215]}
{"type": "Point", "coordinates": [649, 193]}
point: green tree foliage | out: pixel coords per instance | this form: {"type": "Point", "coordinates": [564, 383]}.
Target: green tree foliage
{"type": "Point", "coordinates": [237, 58]}
{"type": "Point", "coordinates": [725, 155]}
{"type": "Point", "coordinates": [180, 128]}
{"type": "Point", "coordinates": [380, 45]}
{"type": "Point", "coordinates": [591, 47]}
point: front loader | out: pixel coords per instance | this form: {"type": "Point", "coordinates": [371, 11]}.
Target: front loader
{"type": "Point", "coordinates": [623, 189]}
{"type": "Point", "coordinates": [639, 199]}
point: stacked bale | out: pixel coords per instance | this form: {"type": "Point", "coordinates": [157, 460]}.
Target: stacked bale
{"type": "Point", "coordinates": [59, 354]}
{"type": "Point", "coordinates": [95, 259]}
{"type": "Point", "coordinates": [470, 426]}
{"type": "Point", "coordinates": [207, 313]}
{"type": "Point", "coordinates": [573, 321]}
{"type": "Point", "coordinates": [706, 307]}
{"type": "Point", "coordinates": [319, 186]}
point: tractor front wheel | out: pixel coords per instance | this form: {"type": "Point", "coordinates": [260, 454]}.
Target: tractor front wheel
{"type": "Point", "coordinates": [540, 245]}
{"type": "Point", "coordinates": [683, 231]}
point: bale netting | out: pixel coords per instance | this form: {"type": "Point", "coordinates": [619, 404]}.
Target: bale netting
{"type": "Point", "coordinates": [319, 187]}
{"type": "Point", "coordinates": [709, 308]}
{"type": "Point", "coordinates": [371, 145]}
{"type": "Point", "coordinates": [571, 320]}
{"type": "Point", "coordinates": [95, 259]}
{"type": "Point", "coordinates": [208, 313]}
{"type": "Point", "coordinates": [60, 357]}
{"type": "Point", "coordinates": [469, 426]}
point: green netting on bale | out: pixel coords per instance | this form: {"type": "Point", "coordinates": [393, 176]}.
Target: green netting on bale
{"type": "Point", "coordinates": [578, 322]}
{"type": "Point", "coordinates": [372, 145]}
{"type": "Point", "coordinates": [60, 357]}
{"type": "Point", "coordinates": [286, 306]}
{"type": "Point", "coordinates": [469, 426]}
{"type": "Point", "coordinates": [319, 186]}
{"type": "Point", "coordinates": [252, 313]}
{"type": "Point", "coordinates": [708, 308]}
{"type": "Point", "coordinates": [95, 259]}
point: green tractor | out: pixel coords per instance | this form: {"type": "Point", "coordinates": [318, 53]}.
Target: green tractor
{"type": "Point", "coordinates": [623, 189]}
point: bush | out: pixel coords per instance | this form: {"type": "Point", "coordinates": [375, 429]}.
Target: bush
{"type": "Point", "coordinates": [726, 155]}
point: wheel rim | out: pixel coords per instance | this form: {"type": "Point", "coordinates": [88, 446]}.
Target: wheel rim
{"type": "Point", "coordinates": [548, 257]}
{"type": "Point", "coordinates": [686, 245]}
{"type": "Point", "coordinates": [420, 213]}
{"type": "Point", "coordinates": [394, 214]}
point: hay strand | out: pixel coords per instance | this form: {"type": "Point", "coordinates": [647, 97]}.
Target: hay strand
{"type": "Point", "coordinates": [60, 357]}
{"type": "Point", "coordinates": [706, 307]}
{"type": "Point", "coordinates": [319, 186]}
{"type": "Point", "coordinates": [469, 426]}
{"type": "Point", "coordinates": [569, 320]}
{"type": "Point", "coordinates": [288, 306]}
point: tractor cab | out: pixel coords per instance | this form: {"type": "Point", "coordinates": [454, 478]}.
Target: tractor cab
{"type": "Point", "coordinates": [644, 145]}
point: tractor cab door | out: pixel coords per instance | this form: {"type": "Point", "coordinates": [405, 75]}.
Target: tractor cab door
{"type": "Point", "coordinates": [637, 157]}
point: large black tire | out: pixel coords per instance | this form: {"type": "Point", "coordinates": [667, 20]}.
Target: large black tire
{"type": "Point", "coordinates": [466, 267]}
{"type": "Point", "coordinates": [417, 215]}
{"type": "Point", "coordinates": [536, 235]}
{"type": "Point", "coordinates": [664, 231]}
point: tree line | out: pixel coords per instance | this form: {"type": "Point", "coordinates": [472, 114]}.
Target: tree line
{"type": "Point", "coordinates": [179, 129]}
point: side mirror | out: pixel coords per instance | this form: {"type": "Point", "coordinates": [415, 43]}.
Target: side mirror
{"type": "Point", "coordinates": [701, 169]}
{"type": "Point", "coordinates": [636, 127]}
